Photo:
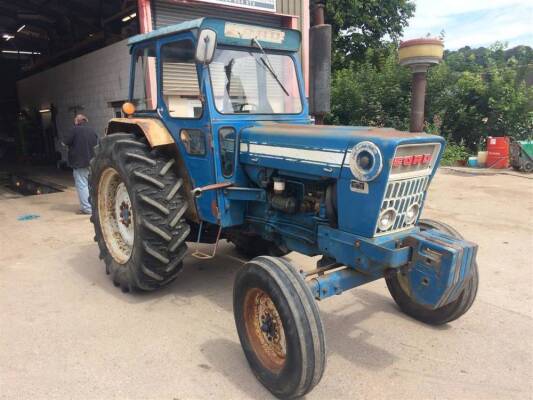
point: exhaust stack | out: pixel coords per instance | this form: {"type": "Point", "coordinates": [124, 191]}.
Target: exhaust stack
{"type": "Point", "coordinates": [320, 63]}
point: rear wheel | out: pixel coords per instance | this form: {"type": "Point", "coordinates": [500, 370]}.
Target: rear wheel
{"type": "Point", "coordinates": [527, 166]}
{"type": "Point", "coordinates": [279, 327]}
{"type": "Point", "coordinates": [396, 285]}
{"type": "Point", "coordinates": [137, 213]}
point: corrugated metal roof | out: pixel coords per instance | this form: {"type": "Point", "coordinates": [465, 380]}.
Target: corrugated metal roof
{"type": "Point", "coordinates": [167, 12]}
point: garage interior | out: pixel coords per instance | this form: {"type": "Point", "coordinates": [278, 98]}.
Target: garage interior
{"type": "Point", "coordinates": [59, 58]}
{"type": "Point", "coordinates": [38, 36]}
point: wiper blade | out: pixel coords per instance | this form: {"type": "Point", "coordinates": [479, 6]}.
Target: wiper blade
{"type": "Point", "coordinates": [268, 65]}
{"type": "Point", "coordinates": [228, 69]}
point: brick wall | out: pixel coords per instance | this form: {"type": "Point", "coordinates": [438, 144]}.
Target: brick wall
{"type": "Point", "coordinates": [91, 82]}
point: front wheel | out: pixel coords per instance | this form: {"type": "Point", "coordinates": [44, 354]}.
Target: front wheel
{"type": "Point", "coordinates": [449, 312]}
{"type": "Point", "coordinates": [279, 327]}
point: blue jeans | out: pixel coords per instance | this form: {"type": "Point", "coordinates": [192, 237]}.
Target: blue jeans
{"type": "Point", "coordinates": [81, 176]}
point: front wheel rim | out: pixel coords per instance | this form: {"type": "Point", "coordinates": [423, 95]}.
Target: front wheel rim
{"type": "Point", "coordinates": [264, 329]}
{"type": "Point", "coordinates": [115, 213]}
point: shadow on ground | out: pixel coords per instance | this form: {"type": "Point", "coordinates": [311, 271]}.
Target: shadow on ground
{"type": "Point", "coordinates": [212, 279]}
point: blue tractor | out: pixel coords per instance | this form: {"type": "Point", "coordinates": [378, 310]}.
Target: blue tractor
{"type": "Point", "coordinates": [217, 143]}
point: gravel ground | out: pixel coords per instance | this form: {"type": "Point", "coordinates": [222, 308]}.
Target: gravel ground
{"type": "Point", "coordinates": [67, 333]}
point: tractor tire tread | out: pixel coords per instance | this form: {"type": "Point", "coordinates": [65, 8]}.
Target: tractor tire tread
{"type": "Point", "coordinates": [150, 175]}
{"type": "Point", "coordinates": [302, 374]}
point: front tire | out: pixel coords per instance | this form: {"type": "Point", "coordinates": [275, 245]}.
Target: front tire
{"type": "Point", "coordinates": [444, 314]}
{"type": "Point", "coordinates": [279, 327]}
{"type": "Point", "coordinates": [137, 213]}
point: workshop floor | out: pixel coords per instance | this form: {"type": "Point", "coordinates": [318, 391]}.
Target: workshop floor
{"type": "Point", "coordinates": [67, 333]}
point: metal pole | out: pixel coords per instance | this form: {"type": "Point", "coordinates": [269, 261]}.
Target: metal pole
{"type": "Point", "coordinates": [145, 15]}
{"type": "Point", "coordinates": [418, 95]}
{"type": "Point", "coordinates": [419, 55]}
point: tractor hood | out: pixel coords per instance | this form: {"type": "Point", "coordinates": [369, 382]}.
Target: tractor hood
{"type": "Point", "coordinates": [317, 149]}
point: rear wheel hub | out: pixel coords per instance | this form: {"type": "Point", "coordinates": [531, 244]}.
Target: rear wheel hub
{"type": "Point", "coordinates": [115, 213]}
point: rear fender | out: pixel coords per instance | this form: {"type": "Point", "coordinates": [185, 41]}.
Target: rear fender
{"type": "Point", "coordinates": [156, 133]}
{"type": "Point", "coordinates": [158, 136]}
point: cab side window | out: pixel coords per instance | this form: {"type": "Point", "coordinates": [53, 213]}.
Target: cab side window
{"type": "Point", "coordinates": [194, 141]}
{"type": "Point", "coordinates": [227, 151]}
{"type": "Point", "coordinates": [180, 87]}
{"type": "Point", "coordinates": [144, 94]}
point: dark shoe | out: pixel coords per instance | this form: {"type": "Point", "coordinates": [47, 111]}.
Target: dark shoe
{"type": "Point", "coordinates": [81, 212]}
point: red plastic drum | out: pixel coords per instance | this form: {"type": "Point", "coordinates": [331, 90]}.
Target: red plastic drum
{"type": "Point", "coordinates": [498, 152]}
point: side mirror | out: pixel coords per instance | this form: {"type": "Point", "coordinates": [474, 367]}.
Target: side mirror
{"type": "Point", "coordinates": [207, 43]}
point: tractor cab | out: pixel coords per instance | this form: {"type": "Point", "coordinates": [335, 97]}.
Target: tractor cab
{"type": "Point", "coordinates": [207, 79]}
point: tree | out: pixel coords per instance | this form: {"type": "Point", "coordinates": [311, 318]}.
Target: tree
{"type": "Point", "coordinates": [472, 94]}
{"type": "Point", "coordinates": [362, 24]}
{"type": "Point", "coordinates": [370, 94]}
{"type": "Point", "coordinates": [481, 92]}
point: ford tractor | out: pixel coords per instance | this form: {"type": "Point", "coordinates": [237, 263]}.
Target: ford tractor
{"type": "Point", "coordinates": [216, 142]}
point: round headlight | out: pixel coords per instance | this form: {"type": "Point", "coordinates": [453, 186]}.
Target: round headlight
{"type": "Point", "coordinates": [412, 213]}
{"type": "Point", "coordinates": [386, 219]}
{"type": "Point", "coordinates": [366, 161]}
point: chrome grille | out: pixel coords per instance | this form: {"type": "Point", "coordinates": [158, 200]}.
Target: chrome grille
{"type": "Point", "coordinates": [400, 195]}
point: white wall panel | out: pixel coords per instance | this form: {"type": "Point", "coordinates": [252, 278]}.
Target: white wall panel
{"type": "Point", "coordinates": [91, 82]}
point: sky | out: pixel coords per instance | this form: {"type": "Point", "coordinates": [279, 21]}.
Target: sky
{"type": "Point", "coordinates": [473, 23]}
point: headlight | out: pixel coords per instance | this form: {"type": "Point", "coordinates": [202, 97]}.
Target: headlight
{"type": "Point", "coordinates": [386, 219]}
{"type": "Point", "coordinates": [412, 213]}
{"type": "Point", "coordinates": [366, 161]}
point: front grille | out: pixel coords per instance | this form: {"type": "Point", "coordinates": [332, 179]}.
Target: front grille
{"type": "Point", "coordinates": [400, 195]}
{"type": "Point", "coordinates": [412, 170]}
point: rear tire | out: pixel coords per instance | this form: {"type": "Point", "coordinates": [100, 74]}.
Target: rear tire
{"type": "Point", "coordinates": [441, 315]}
{"type": "Point", "coordinates": [137, 213]}
{"type": "Point", "coordinates": [527, 166]}
{"type": "Point", "coordinates": [279, 327]}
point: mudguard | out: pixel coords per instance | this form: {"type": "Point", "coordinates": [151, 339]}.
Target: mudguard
{"type": "Point", "coordinates": [440, 267]}
{"type": "Point", "coordinates": [155, 131]}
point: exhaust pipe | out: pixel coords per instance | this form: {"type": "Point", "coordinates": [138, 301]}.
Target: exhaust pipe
{"type": "Point", "coordinates": [319, 64]}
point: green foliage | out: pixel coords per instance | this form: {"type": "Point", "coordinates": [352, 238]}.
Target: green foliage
{"type": "Point", "coordinates": [472, 94]}
{"type": "Point", "coordinates": [453, 153]}
{"type": "Point", "coordinates": [371, 95]}
{"type": "Point", "coordinates": [362, 24]}
{"type": "Point", "coordinates": [481, 92]}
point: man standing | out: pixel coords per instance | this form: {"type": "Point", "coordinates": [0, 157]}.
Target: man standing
{"type": "Point", "coordinates": [81, 140]}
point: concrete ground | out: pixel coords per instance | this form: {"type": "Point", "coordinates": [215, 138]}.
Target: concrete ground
{"type": "Point", "coordinates": [67, 333]}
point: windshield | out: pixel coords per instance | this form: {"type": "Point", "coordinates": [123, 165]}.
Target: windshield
{"type": "Point", "coordinates": [252, 82]}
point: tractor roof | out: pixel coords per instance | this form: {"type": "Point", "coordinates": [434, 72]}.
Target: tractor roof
{"type": "Point", "coordinates": [230, 33]}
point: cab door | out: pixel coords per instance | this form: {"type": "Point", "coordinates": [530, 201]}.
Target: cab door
{"type": "Point", "coordinates": [186, 116]}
